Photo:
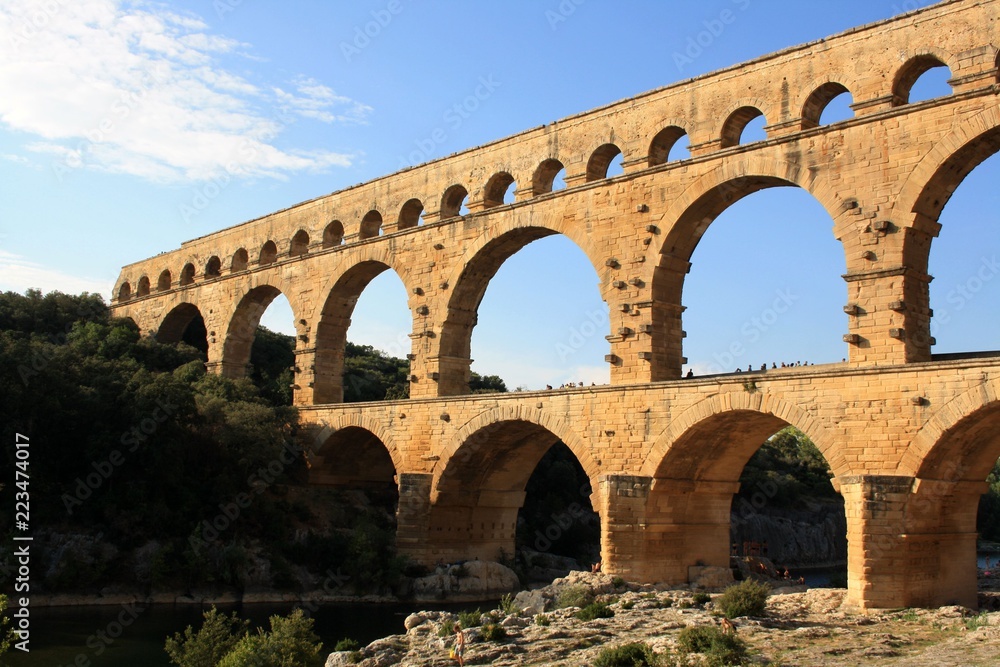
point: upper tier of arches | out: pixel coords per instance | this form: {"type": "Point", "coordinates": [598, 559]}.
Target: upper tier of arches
{"type": "Point", "coordinates": [642, 131]}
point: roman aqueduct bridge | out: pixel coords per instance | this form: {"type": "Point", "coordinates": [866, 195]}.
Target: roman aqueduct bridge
{"type": "Point", "coordinates": [910, 437]}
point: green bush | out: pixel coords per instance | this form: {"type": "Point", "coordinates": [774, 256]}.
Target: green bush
{"type": "Point", "coordinates": [493, 632]}
{"type": "Point", "coordinates": [347, 645]}
{"type": "Point", "coordinates": [447, 628]}
{"type": "Point", "coordinates": [574, 596]}
{"type": "Point", "coordinates": [471, 619]}
{"type": "Point", "coordinates": [628, 604]}
{"type": "Point", "coordinates": [291, 642]}
{"type": "Point", "coordinates": [595, 610]}
{"type": "Point", "coordinates": [619, 582]}
{"type": "Point", "coordinates": [628, 655]}
{"type": "Point", "coordinates": [206, 647]}
{"type": "Point", "coordinates": [542, 620]}
{"type": "Point", "coordinates": [747, 598]}
{"type": "Point", "coordinates": [507, 606]}
{"type": "Point", "coordinates": [701, 598]}
{"type": "Point", "coordinates": [719, 649]}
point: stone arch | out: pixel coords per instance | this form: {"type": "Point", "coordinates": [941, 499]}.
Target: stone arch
{"type": "Point", "coordinates": [496, 188]}
{"type": "Point", "coordinates": [300, 244]}
{"type": "Point", "coordinates": [659, 147]}
{"type": "Point", "coordinates": [774, 413]}
{"type": "Point", "coordinates": [937, 176]}
{"type": "Point", "coordinates": [451, 201]}
{"type": "Point", "coordinates": [240, 261]}
{"type": "Point", "coordinates": [409, 214]}
{"type": "Point", "coordinates": [243, 321]}
{"type": "Point", "coordinates": [164, 281]}
{"type": "Point", "coordinates": [486, 422]}
{"type": "Point", "coordinates": [818, 100]}
{"type": "Point", "coordinates": [359, 420]}
{"type": "Point", "coordinates": [996, 66]}
{"type": "Point", "coordinates": [480, 484]}
{"type": "Point", "coordinates": [371, 225]}
{"type": "Point", "coordinates": [213, 269]}
{"type": "Point", "coordinates": [600, 160]}
{"type": "Point", "coordinates": [943, 447]}
{"type": "Point", "coordinates": [913, 69]}
{"type": "Point", "coordinates": [333, 235]}
{"type": "Point", "coordinates": [176, 322]}
{"type": "Point", "coordinates": [142, 287]}
{"type": "Point", "coordinates": [334, 319]}
{"type": "Point", "coordinates": [187, 274]}
{"type": "Point", "coordinates": [736, 121]}
{"type": "Point", "coordinates": [471, 276]}
{"type": "Point", "coordinates": [545, 174]}
{"type": "Point", "coordinates": [124, 292]}
{"type": "Point", "coordinates": [690, 216]}
{"type": "Point", "coordinates": [268, 254]}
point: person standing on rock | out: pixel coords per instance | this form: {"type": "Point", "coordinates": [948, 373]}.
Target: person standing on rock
{"type": "Point", "coordinates": [459, 650]}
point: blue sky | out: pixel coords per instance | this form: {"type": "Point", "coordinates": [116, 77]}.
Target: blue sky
{"type": "Point", "coordinates": [118, 118]}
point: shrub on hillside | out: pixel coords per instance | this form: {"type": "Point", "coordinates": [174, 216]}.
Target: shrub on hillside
{"type": "Point", "coordinates": [747, 598]}
{"type": "Point", "coordinates": [718, 648]}
{"type": "Point", "coordinates": [637, 654]}
{"type": "Point", "coordinates": [574, 596]}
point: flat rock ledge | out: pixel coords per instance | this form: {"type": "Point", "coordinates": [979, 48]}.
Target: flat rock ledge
{"type": "Point", "coordinates": [802, 627]}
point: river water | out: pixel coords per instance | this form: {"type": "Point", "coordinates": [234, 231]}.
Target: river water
{"type": "Point", "coordinates": [64, 636]}
{"type": "Point", "coordinates": [80, 636]}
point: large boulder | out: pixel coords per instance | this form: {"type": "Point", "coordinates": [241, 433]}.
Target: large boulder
{"type": "Point", "coordinates": [472, 580]}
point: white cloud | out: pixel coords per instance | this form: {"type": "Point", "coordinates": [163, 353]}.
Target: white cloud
{"type": "Point", "coordinates": [18, 274]}
{"type": "Point", "coordinates": [130, 87]}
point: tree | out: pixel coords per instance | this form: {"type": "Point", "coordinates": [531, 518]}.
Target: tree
{"type": "Point", "coordinates": [205, 647]}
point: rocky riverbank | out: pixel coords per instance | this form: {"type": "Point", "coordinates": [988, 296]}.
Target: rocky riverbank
{"type": "Point", "coordinates": [801, 627]}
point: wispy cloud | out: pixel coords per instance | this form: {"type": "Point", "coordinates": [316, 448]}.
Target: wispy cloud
{"type": "Point", "coordinates": [17, 274]}
{"type": "Point", "coordinates": [131, 87]}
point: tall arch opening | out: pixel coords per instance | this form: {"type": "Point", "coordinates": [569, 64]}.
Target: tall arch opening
{"type": "Point", "coordinates": [142, 287]}
{"type": "Point", "coordinates": [263, 355]}
{"type": "Point", "coordinates": [759, 276]}
{"type": "Point", "coordinates": [961, 197]}
{"type": "Point", "coordinates": [185, 324]}
{"type": "Point", "coordinates": [124, 292]}
{"type": "Point", "coordinates": [373, 365]}
{"type": "Point", "coordinates": [956, 501]}
{"type": "Point", "coordinates": [747, 492]}
{"type": "Point", "coordinates": [494, 497]}
{"type": "Point", "coordinates": [187, 274]}
{"type": "Point", "coordinates": [529, 270]}
{"type": "Point", "coordinates": [213, 269]}
{"type": "Point", "coordinates": [352, 470]}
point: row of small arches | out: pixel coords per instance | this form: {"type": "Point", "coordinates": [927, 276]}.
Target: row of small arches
{"type": "Point", "coordinates": [666, 145]}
